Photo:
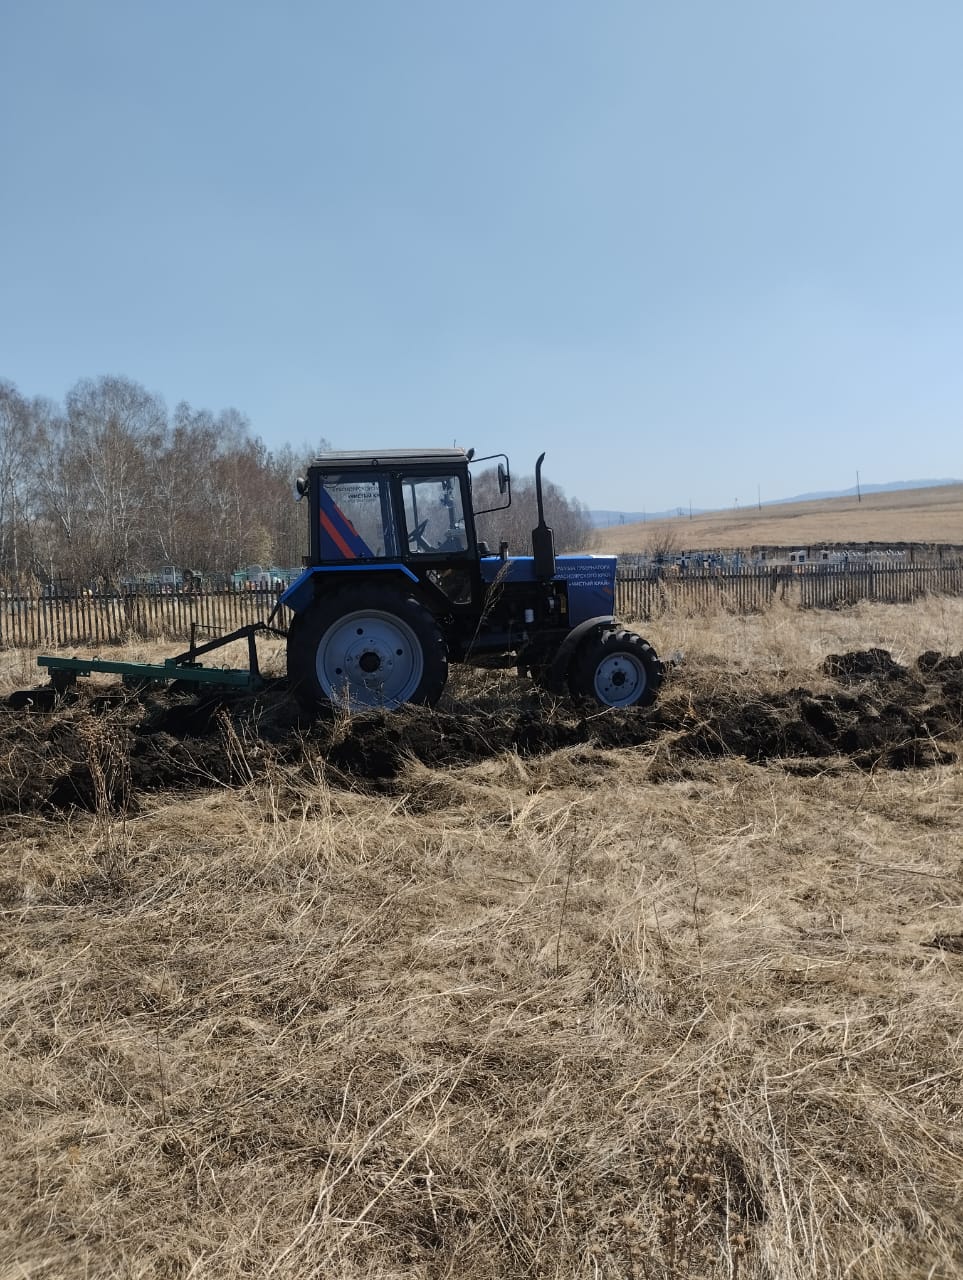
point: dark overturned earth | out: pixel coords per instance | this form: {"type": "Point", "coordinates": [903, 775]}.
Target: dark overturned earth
{"type": "Point", "coordinates": [101, 750]}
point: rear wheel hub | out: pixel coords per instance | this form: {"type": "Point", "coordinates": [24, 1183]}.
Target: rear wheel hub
{"type": "Point", "coordinates": [369, 660]}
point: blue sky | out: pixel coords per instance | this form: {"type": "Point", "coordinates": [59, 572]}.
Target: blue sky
{"type": "Point", "coordinates": [688, 249]}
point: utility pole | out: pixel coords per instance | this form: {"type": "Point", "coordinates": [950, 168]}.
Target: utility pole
{"type": "Point", "coordinates": [758, 497]}
{"type": "Point", "coordinates": [859, 496]}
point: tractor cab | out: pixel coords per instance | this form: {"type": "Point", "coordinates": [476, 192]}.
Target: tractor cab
{"type": "Point", "coordinates": [392, 506]}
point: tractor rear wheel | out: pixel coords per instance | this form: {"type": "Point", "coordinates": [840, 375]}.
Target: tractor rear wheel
{"type": "Point", "coordinates": [364, 647]}
{"type": "Point", "coordinates": [617, 668]}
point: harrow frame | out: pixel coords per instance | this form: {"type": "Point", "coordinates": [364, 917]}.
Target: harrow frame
{"type": "Point", "coordinates": [182, 667]}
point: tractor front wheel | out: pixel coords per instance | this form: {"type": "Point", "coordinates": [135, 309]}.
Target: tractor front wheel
{"type": "Point", "coordinates": [363, 648]}
{"type": "Point", "coordinates": [617, 668]}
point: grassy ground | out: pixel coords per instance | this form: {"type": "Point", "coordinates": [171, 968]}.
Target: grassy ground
{"type": "Point", "coordinates": [906, 515]}
{"type": "Point", "coordinates": [599, 1013]}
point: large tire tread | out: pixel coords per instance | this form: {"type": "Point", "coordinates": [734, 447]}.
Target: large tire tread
{"type": "Point", "coordinates": [607, 643]}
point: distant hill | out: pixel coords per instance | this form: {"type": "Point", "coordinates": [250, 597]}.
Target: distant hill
{"type": "Point", "coordinates": [605, 519]}
{"type": "Point", "coordinates": [888, 514]}
{"type": "Point", "coordinates": [892, 487]}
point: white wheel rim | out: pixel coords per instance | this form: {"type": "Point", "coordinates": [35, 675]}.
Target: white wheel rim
{"type": "Point", "coordinates": [369, 659]}
{"type": "Point", "coordinates": [620, 680]}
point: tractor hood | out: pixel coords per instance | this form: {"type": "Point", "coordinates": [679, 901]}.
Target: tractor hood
{"type": "Point", "coordinates": [591, 581]}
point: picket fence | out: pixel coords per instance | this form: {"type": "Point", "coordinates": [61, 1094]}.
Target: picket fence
{"type": "Point", "coordinates": [647, 593]}
{"type": "Point", "coordinates": [37, 621]}
{"type": "Point", "coordinates": [40, 621]}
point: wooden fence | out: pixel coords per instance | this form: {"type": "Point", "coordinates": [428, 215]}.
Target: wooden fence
{"type": "Point", "coordinates": [40, 621]}
{"type": "Point", "coordinates": [646, 593]}
{"type": "Point", "coordinates": [829, 586]}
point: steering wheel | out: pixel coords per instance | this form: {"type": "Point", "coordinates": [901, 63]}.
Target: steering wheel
{"type": "Point", "coordinates": [416, 535]}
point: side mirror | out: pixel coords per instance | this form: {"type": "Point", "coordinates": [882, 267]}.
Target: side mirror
{"type": "Point", "coordinates": [503, 478]}
{"type": "Point", "coordinates": [301, 488]}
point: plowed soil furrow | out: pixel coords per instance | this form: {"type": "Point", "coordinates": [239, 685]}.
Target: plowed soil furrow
{"type": "Point", "coordinates": [106, 749]}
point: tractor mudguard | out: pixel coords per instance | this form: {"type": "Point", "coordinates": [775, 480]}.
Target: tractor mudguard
{"type": "Point", "coordinates": [558, 667]}
{"type": "Point", "coordinates": [301, 593]}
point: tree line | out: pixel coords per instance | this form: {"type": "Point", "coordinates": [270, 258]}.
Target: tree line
{"type": "Point", "coordinates": [110, 484]}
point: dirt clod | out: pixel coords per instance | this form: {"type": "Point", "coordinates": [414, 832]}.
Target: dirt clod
{"type": "Point", "coordinates": [864, 664]}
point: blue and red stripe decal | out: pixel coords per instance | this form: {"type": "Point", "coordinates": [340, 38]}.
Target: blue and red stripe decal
{"type": "Point", "coordinates": [339, 538]}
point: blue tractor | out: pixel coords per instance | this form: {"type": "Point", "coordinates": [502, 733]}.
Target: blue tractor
{"type": "Point", "coordinates": [397, 585]}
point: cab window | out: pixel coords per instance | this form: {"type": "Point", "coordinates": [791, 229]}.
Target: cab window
{"type": "Point", "coordinates": [434, 515]}
{"type": "Point", "coordinates": [356, 518]}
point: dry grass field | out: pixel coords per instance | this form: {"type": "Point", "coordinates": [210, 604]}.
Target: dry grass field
{"type": "Point", "coordinates": [667, 1000]}
{"type": "Point", "coordinates": [906, 515]}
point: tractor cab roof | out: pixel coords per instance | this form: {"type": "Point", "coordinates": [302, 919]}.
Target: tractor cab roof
{"type": "Point", "coordinates": [375, 458]}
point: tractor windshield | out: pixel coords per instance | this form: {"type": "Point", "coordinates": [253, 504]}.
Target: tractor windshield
{"type": "Point", "coordinates": [356, 517]}
{"type": "Point", "coordinates": [434, 515]}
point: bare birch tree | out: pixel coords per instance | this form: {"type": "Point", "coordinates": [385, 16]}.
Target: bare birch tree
{"type": "Point", "coordinates": [17, 449]}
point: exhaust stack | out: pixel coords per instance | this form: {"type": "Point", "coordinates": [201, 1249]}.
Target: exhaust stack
{"type": "Point", "coordinates": [543, 540]}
